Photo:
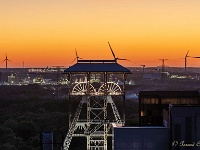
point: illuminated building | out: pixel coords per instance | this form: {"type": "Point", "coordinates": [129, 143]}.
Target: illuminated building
{"type": "Point", "coordinates": [27, 79]}
{"type": "Point", "coordinates": [13, 80]}
{"type": "Point", "coordinates": [38, 80]}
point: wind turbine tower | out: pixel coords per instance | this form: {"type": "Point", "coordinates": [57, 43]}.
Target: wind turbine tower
{"type": "Point", "coordinates": [186, 61]}
{"type": "Point", "coordinates": [6, 60]}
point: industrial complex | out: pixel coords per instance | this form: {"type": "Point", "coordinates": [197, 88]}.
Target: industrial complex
{"type": "Point", "coordinates": [167, 119]}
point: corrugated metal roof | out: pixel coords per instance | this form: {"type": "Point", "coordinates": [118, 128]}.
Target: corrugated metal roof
{"type": "Point", "coordinates": [97, 67]}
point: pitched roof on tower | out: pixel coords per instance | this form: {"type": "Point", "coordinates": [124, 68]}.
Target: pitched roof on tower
{"type": "Point", "coordinates": [97, 66]}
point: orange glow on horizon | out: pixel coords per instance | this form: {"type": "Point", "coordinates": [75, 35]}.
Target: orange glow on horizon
{"type": "Point", "coordinates": [45, 33]}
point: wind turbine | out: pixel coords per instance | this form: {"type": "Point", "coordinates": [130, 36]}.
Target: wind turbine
{"type": "Point", "coordinates": [186, 61]}
{"type": "Point", "coordinates": [77, 57]}
{"type": "Point", "coordinates": [115, 58]}
{"type": "Point", "coordinates": [6, 61]}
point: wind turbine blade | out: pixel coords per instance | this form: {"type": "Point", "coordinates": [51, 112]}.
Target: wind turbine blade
{"type": "Point", "coordinates": [76, 54]}
{"type": "Point", "coordinates": [196, 57]}
{"type": "Point", "coordinates": [73, 60]}
{"type": "Point", "coordinates": [122, 59]}
{"type": "Point", "coordinates": [111, 50]}
{"type": "Point", "coordinates": [4, 60]}
{"type": "Point", "coordinates": [187, 54]}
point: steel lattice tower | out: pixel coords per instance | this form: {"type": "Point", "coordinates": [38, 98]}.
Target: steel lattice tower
{"type": "Point", "coordinates": [93, 118]}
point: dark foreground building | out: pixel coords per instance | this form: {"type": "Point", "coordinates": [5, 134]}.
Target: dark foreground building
{"type": "Point", "coordinates": [181, 131]}
{"type": "Point", "coordinates": [141, 138]}
{"type": "Point", "coordinates": [152, 104]}
{"type": "Point", "coordinates": [184, 124]}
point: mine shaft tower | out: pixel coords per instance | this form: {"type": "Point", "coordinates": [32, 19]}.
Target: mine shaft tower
{"type": "Point", "coordinates": [93, 82]}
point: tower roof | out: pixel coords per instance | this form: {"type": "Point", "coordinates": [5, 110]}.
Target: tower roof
{"type": "Point", "coordinates": [97, 66]}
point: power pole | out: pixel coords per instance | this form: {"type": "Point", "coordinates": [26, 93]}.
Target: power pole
{"type": "Point", "coordinates": [163, 72]}
{"type": "Point", "coordinates": [143, 66]}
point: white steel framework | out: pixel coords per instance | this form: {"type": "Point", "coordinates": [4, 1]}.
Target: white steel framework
{"type": "Point", "coordinates": [96, 126]}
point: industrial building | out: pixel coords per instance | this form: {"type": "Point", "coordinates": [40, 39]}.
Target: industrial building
{"type": "Point", "coordinates": [152, 103]}
{"type": "Point", "coordinates": [13, 79]}
{"type": "Point", "coordinates": [180, 131]}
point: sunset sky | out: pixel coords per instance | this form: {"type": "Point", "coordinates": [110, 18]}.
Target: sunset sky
{"type": "Point", "coordinates": [46, 32]}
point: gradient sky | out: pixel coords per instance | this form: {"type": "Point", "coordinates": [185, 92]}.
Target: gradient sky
{"type": "Point", "coordinates": [46, 32]}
